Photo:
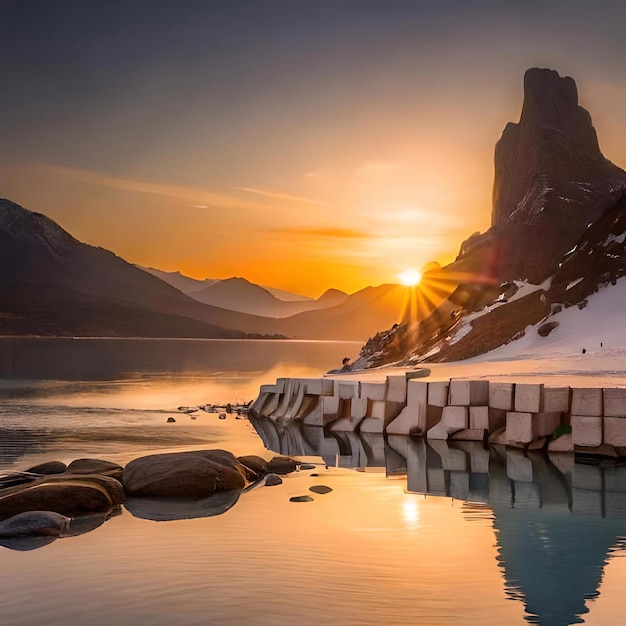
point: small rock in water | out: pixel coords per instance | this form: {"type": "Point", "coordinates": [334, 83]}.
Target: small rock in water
{"type": "Point", "coordinates": [221, 416]}
{"type": "Point", "coordinates": [320, 489]}
{"type": "Point", "coordinates": [273, 479]}
{"type": "Point", "coordinates": [316, 475]}
{"type": "Point", "coordinates": [170, 420]}
{"type": "Point", "coordinates": [307, 466]}
{"type": "Point", "coordinates": [301, 499]}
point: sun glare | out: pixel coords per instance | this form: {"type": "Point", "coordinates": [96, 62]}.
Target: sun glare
{"type": "Point", "coordinates": [410, 278]}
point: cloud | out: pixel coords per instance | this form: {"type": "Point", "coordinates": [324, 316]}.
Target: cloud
{"type": "Point", "coordinates": [195, 197]}
{"type": "Point", "coordinates": [279, 196]}
{"type": "Point", "coordinates": [325, 233]}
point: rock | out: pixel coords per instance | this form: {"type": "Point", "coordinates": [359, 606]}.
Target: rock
{"type": "Point", "coordinates": [221, 416]}
{"type": "Point", "coordinates": [321, 489]}
{"type": "Point", "coordinates": [50, 467]}
{"type": "Point", "coordinates": [34, 523]}
{"type": "Point", "coordinates": [307, 466]}
{"type": "Point", "coordinates": [196, 474]}
{"type": "Point", "coordinates": [65, 494]}
{"type": "Point", "coordinates": [281, 465]}
{"type": "Point", "coordinates": [170, 420]}
{"type": "Point", "coordinates": [545, 329]}
{"type": "Point", "coordinates": [301, 499]}
{"type": "Point", "coordinates": [273, 479]}
{"type": "Point", "coordinates": [255, 466]}
{"type": "Point", "coordinates": [96, 466]}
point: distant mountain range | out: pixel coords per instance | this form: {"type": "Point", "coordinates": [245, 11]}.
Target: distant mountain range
{"type": "Point", "coordinates": [53, 284]}
{"type": "Point", "coordinates": [239, 294]}
{"type": "Point", "coordinates": [557, 237]}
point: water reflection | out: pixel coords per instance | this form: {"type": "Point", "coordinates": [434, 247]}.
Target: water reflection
{"type": "Point", "coordinates": [557, 521]}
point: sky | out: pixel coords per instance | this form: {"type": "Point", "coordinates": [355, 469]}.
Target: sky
{"type": "Point", "coordinates": [299, 144]}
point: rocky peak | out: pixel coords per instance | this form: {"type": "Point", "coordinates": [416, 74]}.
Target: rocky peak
{"type": "Point", "coordinates": [27, 226]}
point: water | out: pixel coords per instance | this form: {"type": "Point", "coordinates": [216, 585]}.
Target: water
{"type": "Point", "coordinates": [539, 542]}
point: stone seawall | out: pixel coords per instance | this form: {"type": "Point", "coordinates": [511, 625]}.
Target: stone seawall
{"type": "Point", "coordinates": [520, 415]}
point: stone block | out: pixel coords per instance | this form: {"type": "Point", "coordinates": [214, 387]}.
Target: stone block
{"type": "Point", "coordinates": [396, 389]}
{"type": "Point", "coordinates": [346, 390]}
{"type": "Point", "coordinates": [545, 424]}
{"type": "Point", "coordinates": [501, 396]}
{"type": "Point", "coordinates": [615, 431]}
{"type": "Point", "coordinates": [454, 418]}
{"type": "Point", "coordinates": [377, 409]}
{"type": "Point", "coordinates": [358, 408]}
{"type": "Point", "coordinates": [528, 398]}
{"type": "Point", "coordinates": [405, 422]}
{"type": "Point", "coordinates": [413, 417]}
{"type": "Point", "coordinates": [436, 432]}
{"type": "Point", "coordinates": [438, 393]}
{"type": "Point", "coordinates": [281, 383]}
{"type": "Point", "coordinates": [587, 401]}
{"type": "Point", "coordinates": [479, 418]}
{"type": "Point", "coordinates": [556, 399]}
{"type": "Point", "coordinates": [268, 389]}
{"type": "Point", "coordinates": [313, 386]}
{"type": "Point", "coordinates": [497, 419]}
{"type": "Point", "coordinates": [270, 405]}
{"type": "Point", "coordinates": [437, 481]}
{"type": "Point", "coordinates": [373, 391]}
{"type": "Point", "coordinates": [586, 430]}
{"type": "Point", "coordinates": [328, 386]}
{"type": "Point", "coordinates": [468, 392]}
{"type": "Point", "coordinates": [297, 399]}
{"type": "Point", "coordinates": [564, 443]}
{"type": "Point", "coordinates": [519, 427]}
{"type": "Point", "coordinates": [330, 405]}
{"type": "Point", "coordinates": [257, 405]}
{"type": "Point", "coordinates": [614, 401]}
{"type": "Point", "coordinates": [467, 434]}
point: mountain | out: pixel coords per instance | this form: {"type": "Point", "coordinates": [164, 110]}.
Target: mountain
{"type": "Point", "coordinates": [556, 240]}
{"type": "Point", "coordinates": [180, 281]}
{"type": "Point", "coordinates": [287, 296]}
{"type": "Point", "coordinates": [550, 182]}
{"type": "Point", "coordinates": [239, 294]}
{"type": "Point", "coordinates": [51, 283]}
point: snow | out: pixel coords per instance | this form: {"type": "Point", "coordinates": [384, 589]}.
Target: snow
{"type": "Point", "coordinates": [556, 359]}
{"type": "Point", "coordinates": [574, 283]}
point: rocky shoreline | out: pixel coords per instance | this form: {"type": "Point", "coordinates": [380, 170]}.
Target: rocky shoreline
{"type": "Point", "coordinates": [53, 500]}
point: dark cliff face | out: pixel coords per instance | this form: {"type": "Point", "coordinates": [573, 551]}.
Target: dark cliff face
{"type": "Point", "coordinates": [550, 182]}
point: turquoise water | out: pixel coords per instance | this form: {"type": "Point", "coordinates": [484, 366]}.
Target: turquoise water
{"type": "Point", "coordinates": [410, 534]}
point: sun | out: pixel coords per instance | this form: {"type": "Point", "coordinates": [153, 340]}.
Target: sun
{"type": "Point", "coordinates": [410, 278]}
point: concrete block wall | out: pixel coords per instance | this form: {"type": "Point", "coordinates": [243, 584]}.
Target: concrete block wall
{"type": "Point", "coordinates": [517, 414]}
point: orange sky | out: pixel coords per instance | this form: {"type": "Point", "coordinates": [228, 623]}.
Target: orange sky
{"type": "Point", "coordinates": [326, 147]}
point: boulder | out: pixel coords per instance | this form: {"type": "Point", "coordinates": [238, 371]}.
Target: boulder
{"type": "Point", "coordinates": [191, 475]}
{"type": "Point", "coordinates": [254, 465]}
{"type": "Point", "coordinates": [281, 465]}
{"type": "Point", "coordinates": [50, 467]}
{"type": "Point", "coordinates": [273, 479]}
{"type": "Point", "coordinates": [321, 489]}
{"type": "Point", "coordinates": [34, 524]}
{"type": "Point", "coordinates": [65, 494]}
{"type": "Point", "coordinates": [301, 499]}
{"type": "Point", "coordinates": [96, 466]}
{"type": "Point", "coordinates": [545, 329]}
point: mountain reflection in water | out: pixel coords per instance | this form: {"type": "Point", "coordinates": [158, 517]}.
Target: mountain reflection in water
{"type": "Point", "coordinates": [557, 521]}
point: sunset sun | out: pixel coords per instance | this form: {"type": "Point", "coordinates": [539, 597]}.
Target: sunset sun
{"type": "Point", "coordinates": [410, 278]}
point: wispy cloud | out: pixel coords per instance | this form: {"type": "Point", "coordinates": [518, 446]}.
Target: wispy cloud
{"type": "Point", "coordinates": [195, 197]}
{"type": "Point", "coordinates": [279, 196]}
{"type": "Point", "coordinates": [324, 233]}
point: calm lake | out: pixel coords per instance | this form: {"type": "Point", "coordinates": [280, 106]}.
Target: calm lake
{"type": "Point", "coordinates": [410, 534]}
